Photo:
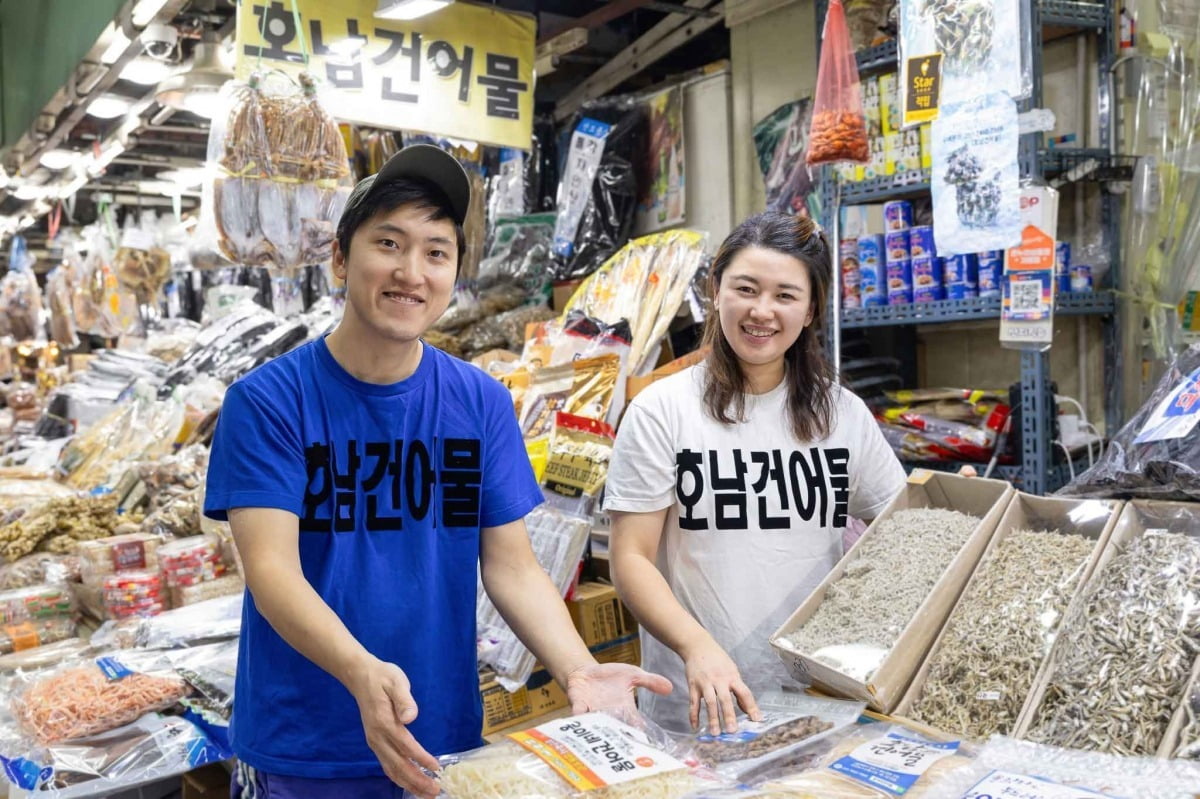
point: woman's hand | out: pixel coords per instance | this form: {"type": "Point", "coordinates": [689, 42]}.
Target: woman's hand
{"type": "Point", "coordinates": [713, 678]}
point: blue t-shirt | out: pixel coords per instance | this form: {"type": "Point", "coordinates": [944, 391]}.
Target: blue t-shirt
{"type": "Point", "coordinates": [391, 484]}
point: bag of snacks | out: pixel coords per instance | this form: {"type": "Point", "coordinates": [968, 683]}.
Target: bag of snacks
{"type": "Point", "coordinates": [119, 553]}
{"type": "Point", "coordinates": [839, 129]}
{"type": "Point", "coordinates": [36, 603]}
{"type": "Point", "coordinates": [134, 593]}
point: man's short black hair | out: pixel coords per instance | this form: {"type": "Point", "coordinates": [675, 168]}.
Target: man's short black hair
{"type": "Point", "coordinates": [392, 195]}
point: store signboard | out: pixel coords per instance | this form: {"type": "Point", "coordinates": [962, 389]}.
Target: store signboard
{"type": "Point", "coordinates": [464, 72]}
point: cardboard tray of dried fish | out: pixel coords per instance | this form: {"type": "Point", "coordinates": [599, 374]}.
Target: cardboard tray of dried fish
{"type": "Point", "coordinates": [989, 687]}
{"type": "Point", "coordinates": [1183, 736]}
{"type": "Point", "coordinates": [1123, 659]}
{"type": "Point", "coordinates": [884, 687]}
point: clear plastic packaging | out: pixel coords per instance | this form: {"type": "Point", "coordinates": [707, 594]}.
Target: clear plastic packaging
{"type": "Point", "coordinates": [228, 585]}
{"type": "Point", "coordinates": [558, 541]}
{"type": "Point", "coordinates": [521, 252]}
{"type": "Point", "coordinates": [129, 552]}
{"type": "Point", "coordinates": [1155, 455]}
{"type": "Point", "coordinates": [212, 671]}
{"type": "Point", "coordinates": [44, 656]}
{"type": "Point", "coordinates": [646, 762]}
{"type": "Point", "coordinates": [839, 129]}
{"type": "Point", "coordinates": [190, 561]}
{"type": "Point", "coordinates": [1188, 745]}
{"type": "Point", "coordinates": [37, 603]}
{"type": "Point", "coordinates": [40, 568]}
{"type": "Point", "coordinates": [84, 698]}
{"type": "Point", "coordinates": [28, 635]}
{"type": "Point", "coordinates": [791, 721]}
{"type": "Point", "coordinates": [983, 669]}
{"type": "Point", "coordinates": [204, 622]}
{"type": "Point", "coordinates": [1124, 657]}
{"type": "Point", "coordinates": [875, 761]}
{"type": "Point", "coordinates": [1006, 767]}
{"type": "Point", "coordinates": [20, 296]}
{"type": "Point", "coordinates": [644, 284]}
{"type": "Point", "coordinates": [134, 593]}
{"type": "Point", "coordinates": [152, 748]}
{"type": "Point", "coordinates": [976, 181]}
{"type": "Point", "coordinates": [61, 285]}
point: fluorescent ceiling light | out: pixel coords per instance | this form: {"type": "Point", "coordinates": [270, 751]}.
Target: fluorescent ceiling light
{"type": "Point", "coordinates": [116, 47]}
{"type": "Point", "coordinates": [202, 104]}
{"type": "Point", "coordinates": [58, 159]}
{"type": "Point", "coordinates": [109, 106]}
{"type": "Point", "coordinates": [187, 177]}
{"type": "Point", "coordinates": [146, 71]}
{"type": "Point", "coordinates": [98, 163]}
{"type": "Point", "coordinates": [196, 89]}
{"type": "Point", "coordinates": [145, 12]}
{"type": "Point", "coordinates": [72, 187]}
{"type": "Point", "coordinates": [408, 9]}
{"type": "Point", "coordinates": [158, 187]}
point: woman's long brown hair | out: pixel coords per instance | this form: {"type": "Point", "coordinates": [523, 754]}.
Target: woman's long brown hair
{"type": "Point", "coordinates": [809, 376]}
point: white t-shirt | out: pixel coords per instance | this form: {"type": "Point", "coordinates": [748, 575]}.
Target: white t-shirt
{"type": "Point", "coordinates": [756, 517]}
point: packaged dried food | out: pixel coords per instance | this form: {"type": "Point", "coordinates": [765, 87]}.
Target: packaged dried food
{"type": "Point", "coordinates": [120, 553]}
{"type": "Point", "coordinates": [58, 524]}
{"type": "Point", "coordinates": [839, 129]}
{"type": "Point", "coordinates": [27, 635]}
{"type": "Point", "coordinates": [40, 568]}
{"type": "Point", "coordinates": [230, 584]}
{"type": "Point", "coordinates": [584, 387]}
{"type": "Point", "coordinates": [61, 285]}
{"type": "Point", "coordinates": [44, 656]}
{"type": "Point", "coordinates": [521, 253]}
{"type": "Point", "coordinates": [577, 463]}
{"type": "Point", "coordinates": [207, 621]}
{"type": "Point", "coordinates": [89, 697]}
{"type": "Point", "coordinates": [36, 603]}
{"type": "Point", "coordinates": [877, 761]}
{"type": "Point", "coordinates": [646, 762]}
{"type": "Point", "coordinates": [190, 561]}
{"type": "Point", "coordinates": [134, 593]}
{"type": "Point", "coordinates": [20, 296]}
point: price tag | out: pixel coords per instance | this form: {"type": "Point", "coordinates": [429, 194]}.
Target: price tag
{"type": "Point", "coordinates": [893, 763]}
{"type": "Point", "coordinates": [1003, 784]}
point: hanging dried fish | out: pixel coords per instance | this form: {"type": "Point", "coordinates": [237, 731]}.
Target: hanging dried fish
{"type": "Point", "coordinates": [998, 636]}
{"type": "Point", "coordinates": [1125, 661]}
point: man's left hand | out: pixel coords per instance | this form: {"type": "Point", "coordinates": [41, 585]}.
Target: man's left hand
{"type": "Point", "coordinates": [610, 686]}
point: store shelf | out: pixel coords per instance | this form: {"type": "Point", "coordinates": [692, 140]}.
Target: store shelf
{"type": "Point", "coordinates": [880, 58]}
{"type": "Point", "coordinates": [1073, 303]}
{"type": "Point", "coordinates": [881, 190]}
{"type": "Point", "coordinates": [1057, 476]}
{"type": "Point", "coordinates": [1086, 165]}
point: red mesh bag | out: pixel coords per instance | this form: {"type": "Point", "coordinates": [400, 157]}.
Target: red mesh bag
{"type": "Point", "coordinates": [839, 130]}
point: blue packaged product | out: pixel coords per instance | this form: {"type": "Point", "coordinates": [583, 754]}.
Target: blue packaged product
{"type": "Point", "coordinates": [1081, 277]}
{"type": "Point", "coordinates": [897, 215]}
{"type": "Point", "coordinates": [899, 283]}
{"type": "Point", "coordinates": [927, 280]}
{"type": "Point", "coordinates": [871, 250]}
{"type": "Point", "coordinates": [1062, 265]}
{"type": "Point", "coordinates": [991, 272]}
{"type": "Point", "coordinates": [896, 246]}
{"type": "Point", "coordinates": [872, 286]}
{"type": "Point", "coordinates": [920, 242]}
{"type": "Point", "coordinates": [960, 276]}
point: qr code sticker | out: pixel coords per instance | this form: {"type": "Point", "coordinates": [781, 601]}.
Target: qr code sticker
{"type": "Point", "coordinates": [1026, 296]}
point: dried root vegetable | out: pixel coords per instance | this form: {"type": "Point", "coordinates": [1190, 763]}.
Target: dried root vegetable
{"type": "Point", "coordinates": [79, 701]}
{"type": "Point", "coordinates": [1124, 661]}
{"type": "Point", "coordinates": [892, 573]}
{"type": "Point", "coordinates": [998, 636]}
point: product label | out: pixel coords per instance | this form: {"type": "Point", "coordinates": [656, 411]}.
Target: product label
{"type": "Point", "coordinates": [1004, 784]}
{"type": "Point", "coordinates": [894, 763]}
{"type": "Point", "coordinates": [750, 730]}
{"type": "Point", "coordinates": [1176, 416]}
{"type": "Point", "coordinates": [129, 555]}
{"type": "Point", "coordinates": [22, 636]}
{"type": "Point", "coordinates": [1029, 291]}
{"type": "Point", "coordinates": [595, 750]}
{"type": "Point", "coordinates": [113, 669]}
{"type": "Point", "coordinates": [583, 161]}
{"type": "Point", "coordinates": [923, 90]}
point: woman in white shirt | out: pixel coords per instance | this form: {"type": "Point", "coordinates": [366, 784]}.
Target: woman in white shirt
{"type": "Point", "coordinates": [732, 481]}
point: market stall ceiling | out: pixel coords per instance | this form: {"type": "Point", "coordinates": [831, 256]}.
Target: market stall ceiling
{"type": "Point", "coordinates": [109, 118]}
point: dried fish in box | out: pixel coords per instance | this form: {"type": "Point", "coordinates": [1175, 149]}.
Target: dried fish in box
{"type": "Point", "coordinates": [1122, 663]}
{"type": "Point", "coordinates": [998, 636]}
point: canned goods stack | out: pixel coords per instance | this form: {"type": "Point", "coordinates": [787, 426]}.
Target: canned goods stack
{"type": "Point", "coordinates": [898, 218]}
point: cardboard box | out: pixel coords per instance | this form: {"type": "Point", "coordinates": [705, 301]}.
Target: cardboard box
{"type": "Point", "coordinates": [599, 616]}
{"type": "Point", "coordinates": [635, 385]}
{"type": "Point", "coordinates": [562, 294]}
{"type": "Point", "coordinates": [206, 782]}
{"type": "Point", "coordinates": [1093, 519]}
{"type": "Point", "coordinates": [985, 499]}
{"type": "Point", "coordinates": [624, 650]}
{"type": "Point", "coordinates": [501, 709]}
{"type": "Point", "coordinates": [1136, 518]}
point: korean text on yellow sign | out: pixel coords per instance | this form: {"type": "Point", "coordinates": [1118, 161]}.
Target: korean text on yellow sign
{"type": "Point", "coordinates": [464, 72]}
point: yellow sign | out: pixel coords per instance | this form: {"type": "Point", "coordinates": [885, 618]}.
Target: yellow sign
{"type": "Point", "coordinates": [465, 71]}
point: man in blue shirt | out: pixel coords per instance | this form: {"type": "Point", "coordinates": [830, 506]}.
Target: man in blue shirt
{"type": "Point", "coordinates": [366, 475]}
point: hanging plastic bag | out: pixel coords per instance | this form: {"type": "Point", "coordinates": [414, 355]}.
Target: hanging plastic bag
{"type": "Point", "coordinates": [839, 129]}
{"type": "Point", "coordinates": [20, 297]}
{"type": "Point", "coordinates": [976, 177]}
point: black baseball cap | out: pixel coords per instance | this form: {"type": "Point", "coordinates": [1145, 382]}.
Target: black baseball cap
{"type": "Point", "coordinates": [423, 162]}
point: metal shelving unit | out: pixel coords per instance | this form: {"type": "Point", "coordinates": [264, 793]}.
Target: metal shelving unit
{"type": "Point", "coordinates": [1038, 472]}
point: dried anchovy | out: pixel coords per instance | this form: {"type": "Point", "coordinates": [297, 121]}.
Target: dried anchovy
{"type": "Point", "coordinates": [963, 167]}
{"type": "Point", "coordinates": [1126, 662]}
{"type": "Point", "coordinates": [978, 203]}
{"type": "Point", "coordinates": [963, 31]}
{"type": "Point", "coordinates": [718, 751]}
{"type": "Point", "coordinates": [883, 587]}
{"type": "Point", "coordinates": [982, 673]}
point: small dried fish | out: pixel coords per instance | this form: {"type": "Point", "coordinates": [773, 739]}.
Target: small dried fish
{"type": "Point", "coordinates": [1126, 660]}
{"type": "Point", "coordinates": [865, 611]}
{"type": "Point", "coordinates": [1189, 739]}
{"type": "Point", "coordinates": [997, 638]}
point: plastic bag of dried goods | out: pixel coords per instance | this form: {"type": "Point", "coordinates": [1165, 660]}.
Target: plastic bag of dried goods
{"type": "Point", "coordinates": [839, 129]}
